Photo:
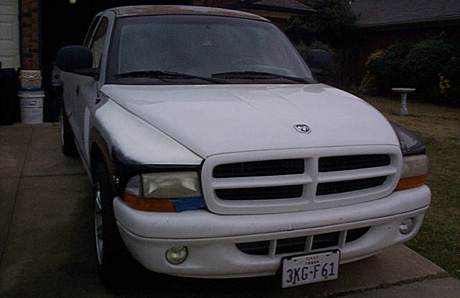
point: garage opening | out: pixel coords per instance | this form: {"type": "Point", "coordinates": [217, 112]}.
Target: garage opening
{"type": "Point", "coordinates": [65, 23]}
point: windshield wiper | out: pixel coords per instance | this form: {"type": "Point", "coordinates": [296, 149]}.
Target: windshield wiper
{"type": "Point", "coordinates": [256, 75]}
{"type": "Point", "coordinates": [158, 74]}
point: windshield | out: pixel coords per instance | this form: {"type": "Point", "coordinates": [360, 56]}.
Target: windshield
{"type": "Point", "coordinates": [189, 49]}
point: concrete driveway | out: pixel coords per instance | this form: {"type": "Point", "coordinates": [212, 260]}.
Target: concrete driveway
{"type": "Point", "coordinates": [46, 240]}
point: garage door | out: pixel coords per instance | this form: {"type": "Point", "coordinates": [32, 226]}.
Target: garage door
{"type": "Point", "coordinates": [9, 34]}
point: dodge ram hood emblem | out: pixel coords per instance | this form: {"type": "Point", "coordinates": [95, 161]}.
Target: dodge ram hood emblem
{"type": "Point", "coordinates": [302, 128]}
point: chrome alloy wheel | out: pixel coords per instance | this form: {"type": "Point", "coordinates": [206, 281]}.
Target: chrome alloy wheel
{"type": "Point", "coordinates": [98, 224]}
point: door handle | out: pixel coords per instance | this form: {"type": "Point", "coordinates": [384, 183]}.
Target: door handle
{"type": "Point", "coordinates": [78, 90]}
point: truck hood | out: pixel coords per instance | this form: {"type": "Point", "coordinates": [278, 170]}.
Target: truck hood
{"type": "Point", "coordinates": [217, 119]}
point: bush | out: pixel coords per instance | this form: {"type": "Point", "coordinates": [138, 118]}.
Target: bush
{"type": "Point", "coordinates": [431, 66]}
{"type": "Point", "coordinates": [449, 82]}
{"type": "Point", "coordinates": [384, 66]}
{"type": "Point", "coordinates": [329, 23]}
{"type": "Point", "coordinates": [424, 63]}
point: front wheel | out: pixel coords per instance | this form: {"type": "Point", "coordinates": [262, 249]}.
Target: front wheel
{"type": "Point", "coordinates": [116, 266]}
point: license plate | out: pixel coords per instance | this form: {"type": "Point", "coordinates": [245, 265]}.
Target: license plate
{"type": "Point", "coordinates": [305, 269]}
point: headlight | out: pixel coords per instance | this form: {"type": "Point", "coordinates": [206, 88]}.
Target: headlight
{"type": "Point", "coordinates": [414, 172]}
{"type": "Point", "coordinates": [164, 192]}
{"type": "Point", "coordinates": [415, 162]}
{"type": "Point", "coordinates": [171, 185]}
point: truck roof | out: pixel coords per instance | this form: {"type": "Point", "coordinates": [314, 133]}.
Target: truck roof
{"type": "Point", "coordinates": [142, 10]}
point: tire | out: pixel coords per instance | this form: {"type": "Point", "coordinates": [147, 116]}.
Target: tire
{"type": "Point", "coordinates": [116, 267]}
{"type": "Point", "coordinates": [68, 146]}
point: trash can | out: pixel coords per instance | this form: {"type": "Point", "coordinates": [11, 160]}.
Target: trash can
{"type": "Point", "coordinates": [9, 108]}
{"type": "Point", "coordinates": [31, 103]}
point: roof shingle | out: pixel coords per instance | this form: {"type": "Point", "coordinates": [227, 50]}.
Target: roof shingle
{"type": "Point", "coordinates": [290, 6]}
{"type": "Point", "coordinates": [372, 13]}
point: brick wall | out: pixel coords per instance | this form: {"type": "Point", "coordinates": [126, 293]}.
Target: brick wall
{"type": "Point", "coordinates": [30, 35]}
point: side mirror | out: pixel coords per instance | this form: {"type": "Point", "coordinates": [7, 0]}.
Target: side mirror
{"type": "Point", "coordinates": [319, 61]}
{"type": "Point", "coordinates": [76, 59]}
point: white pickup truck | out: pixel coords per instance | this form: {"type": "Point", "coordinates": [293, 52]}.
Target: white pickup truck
{"type": "Point", "coordinates": [215, 153]}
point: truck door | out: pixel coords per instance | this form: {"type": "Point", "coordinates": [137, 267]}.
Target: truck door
{"type": "Point", "coordinates": [86, 89]}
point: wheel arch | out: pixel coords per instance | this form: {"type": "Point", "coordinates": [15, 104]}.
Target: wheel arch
{"type": "Point", "coordinates": [99, 152]}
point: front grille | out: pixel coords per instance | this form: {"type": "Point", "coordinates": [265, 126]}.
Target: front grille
{"type": "Point", "coordinates": [302, 244]}
{"type": "Point", "coordinates": [260, 168]}
{"type": "Point", "coordinates": [297, 166]}
{"type": "Point", "coordinates": [256, 183]}
{"type": "Point", "coordinates": [260, 193]}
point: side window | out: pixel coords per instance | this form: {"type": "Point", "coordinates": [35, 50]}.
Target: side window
{"type": "Point", "coordinates": [97, 46]}
{"type": "Point", "coordinates": [91, 31]}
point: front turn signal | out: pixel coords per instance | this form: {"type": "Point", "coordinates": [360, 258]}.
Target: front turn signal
{"type": "Point", "coordinates": [406, 183]}
{"type": "Point", "coordinates": [152, 205]}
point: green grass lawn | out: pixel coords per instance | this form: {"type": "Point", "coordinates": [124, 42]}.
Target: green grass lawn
{"type": "Point", "coordinates": [439, 128]}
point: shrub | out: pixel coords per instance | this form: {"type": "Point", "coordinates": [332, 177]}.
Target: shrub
{"type": "Point", "coordinates": [424, 63]}
{"type": "Point", "coordinates": [373, 63]}
{"type": "Point", "coordinates": [431, 66]}
{"type": "Point", "coordinates": [449, 81]}
{"type": "Point", "coordinates": [332, 19]}
{"type": "Point", "coordinates": [383, 66]}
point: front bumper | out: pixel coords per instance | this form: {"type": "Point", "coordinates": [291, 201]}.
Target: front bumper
{"type": "Point", "coordinates": [211, 239]}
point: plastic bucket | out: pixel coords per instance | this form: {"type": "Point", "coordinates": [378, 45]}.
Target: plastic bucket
{"type": "Point", "coordinates": [31, 103]}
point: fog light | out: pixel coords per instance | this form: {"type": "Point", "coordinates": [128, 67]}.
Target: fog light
{"type": "Point", "coordinates": [406, 226]}
{"type": "Point", "coordinates": [177, 255]}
